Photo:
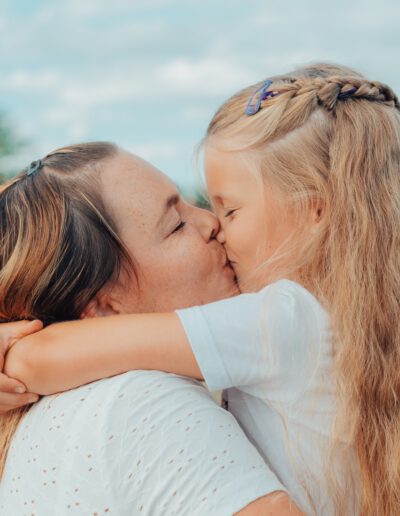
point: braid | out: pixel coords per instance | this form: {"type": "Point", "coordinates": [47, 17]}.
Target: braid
{"type": "Point", "coordinates": [294, 100]}
{"type": "Point", "coordinates": [330, 90]}
{"type": "Point", "coordinates": [333, 89]}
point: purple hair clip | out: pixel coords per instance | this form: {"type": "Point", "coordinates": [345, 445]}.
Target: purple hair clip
{"type": "Point", "coordinates": [347, 93]}
{"type": "Point", "coordinates": [254, 107]}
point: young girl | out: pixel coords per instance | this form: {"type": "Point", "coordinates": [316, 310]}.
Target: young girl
{"type": "Point", "coordinates": [303, 173]}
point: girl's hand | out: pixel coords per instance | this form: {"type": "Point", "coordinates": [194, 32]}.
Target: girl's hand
{"type": "Point", "coordinates": [13, 392]}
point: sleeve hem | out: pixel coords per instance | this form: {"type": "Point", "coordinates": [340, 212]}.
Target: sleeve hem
{"type": "Point", "coordinates": [238, 494]}
{"type": "Point", "coordinates": [204, 348]}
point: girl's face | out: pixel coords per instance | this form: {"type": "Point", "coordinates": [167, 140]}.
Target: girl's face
{"type": "Point", "coordinates": [255, 220]}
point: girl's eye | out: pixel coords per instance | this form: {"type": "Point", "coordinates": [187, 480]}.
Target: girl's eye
{"type": "Point", "coordinates": [180, 226]}
{"type": "Point", "coordinates": [229, 213]}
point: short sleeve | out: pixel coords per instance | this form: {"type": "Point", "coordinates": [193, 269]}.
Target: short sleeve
{"type": "Point", "coordinates": [184, 455]}
{"type": "Point", "coordinates": [271, 337]}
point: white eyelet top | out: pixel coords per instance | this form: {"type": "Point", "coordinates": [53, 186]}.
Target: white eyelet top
{"type": "Point", "coordinates": [141, 443]}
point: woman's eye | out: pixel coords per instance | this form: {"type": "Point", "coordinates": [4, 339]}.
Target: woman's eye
{"type": "Point", "coordinates": [180, 226]}
{"type": "Point", "coordinates": [229, 213]}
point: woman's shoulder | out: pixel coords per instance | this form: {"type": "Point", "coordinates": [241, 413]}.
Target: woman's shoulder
{"type": "Point", "coordinates": [132, 395]}
{"type": "Point", "coordinates": [142, 435]}
{"type": "Point", "coordinates": [123, 390]}
{"type": "Point", "coordinates": [152, 404]}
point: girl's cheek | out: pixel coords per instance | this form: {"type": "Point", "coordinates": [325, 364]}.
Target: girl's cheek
{"type": "Point", "coordinates": [236, 238]}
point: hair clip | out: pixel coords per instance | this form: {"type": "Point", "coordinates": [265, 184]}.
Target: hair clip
{"type": "Point", "coordinates": [34, 167]}
{"type": "Point", "coordinates": [347, 93]}
{"type": "Point", "coordinates": [263, 94]}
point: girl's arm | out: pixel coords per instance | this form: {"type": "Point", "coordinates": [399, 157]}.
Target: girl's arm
{"type": "Point", "coordinates": [70, 354]}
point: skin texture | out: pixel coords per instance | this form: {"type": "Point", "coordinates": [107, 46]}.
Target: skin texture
{"type": "Point", "coordinates": [274, 504]}
{"type": "Point", "coordinates": [12, 392]}
{"type": "Point", "coordinates": [180, 263]}
{"type": "Point", "coordinates": [255, 218]}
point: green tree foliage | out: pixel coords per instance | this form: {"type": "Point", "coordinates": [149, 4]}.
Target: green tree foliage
{"type": "Point", "coordinates": [196, 197]}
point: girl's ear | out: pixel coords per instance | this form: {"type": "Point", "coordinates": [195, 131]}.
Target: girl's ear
{"type": "Point", "coordinates": [101, 305]}
{"type": "Point", "coordinates": [317, 210]}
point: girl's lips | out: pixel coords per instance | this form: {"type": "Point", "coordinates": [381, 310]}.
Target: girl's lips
{"type": "Point", "coordinates": [230, 271]}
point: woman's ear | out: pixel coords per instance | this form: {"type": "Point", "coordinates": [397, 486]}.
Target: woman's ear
{"type": "Point", "coordinates": [101, 305]}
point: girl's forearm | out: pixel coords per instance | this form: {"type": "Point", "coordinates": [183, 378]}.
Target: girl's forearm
{"type": "Point", "coordinates": [66, 355]}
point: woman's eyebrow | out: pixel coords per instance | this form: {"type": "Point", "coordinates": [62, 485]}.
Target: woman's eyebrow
{"type": "Point", "coordinates": [169, 203]}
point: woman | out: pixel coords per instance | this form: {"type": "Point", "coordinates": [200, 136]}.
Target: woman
{"type": "Point", "coordinates": [85, 233]}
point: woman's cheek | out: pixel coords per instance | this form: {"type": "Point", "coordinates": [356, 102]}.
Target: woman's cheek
{"type": "Point", "coordinates": [191, 259]}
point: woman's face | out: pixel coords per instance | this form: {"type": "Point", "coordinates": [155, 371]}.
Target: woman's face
{"type": "Point", "coordinates": [179, 262]}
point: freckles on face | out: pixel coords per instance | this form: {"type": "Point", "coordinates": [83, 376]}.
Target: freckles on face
{"type": "Point", "coordinates": [187, 271]}
{"type": "Point", "coordinates": [177, 264]}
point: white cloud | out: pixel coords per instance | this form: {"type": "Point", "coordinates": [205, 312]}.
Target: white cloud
{"type": "Point", "coordinates": [174, 80]}
{"type": "Point", "coordinates": [86, 93]}
{"type": "Point", "coordinates": [27, 80]}
{"type": "Point", "coordinates": [208, 76]}
{"type": "Point", "coordinates": [77, 131]}
{"type": "Point", "coordinates": [58, 115]}
{"type": "Point", "coordinates": [93, 7]}
{"type": "Point", "coordinates": [155, 151]}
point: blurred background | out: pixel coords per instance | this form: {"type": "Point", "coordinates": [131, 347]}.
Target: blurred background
{"type": "Point", "coordinates": [149, 74]}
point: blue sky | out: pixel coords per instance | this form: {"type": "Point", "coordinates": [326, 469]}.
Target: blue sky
{"type": "Point", "coordinates": [149, 74]}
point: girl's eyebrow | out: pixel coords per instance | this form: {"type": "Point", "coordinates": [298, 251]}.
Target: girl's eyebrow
{"type": "Point", "coordinates": [218, 198]}
{"type": "Point", "coordinates": [222, 199]}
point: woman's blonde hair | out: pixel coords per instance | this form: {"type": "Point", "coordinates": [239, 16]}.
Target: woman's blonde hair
{"type": "Point", "coordinates": [330, 134]}
{"type": "Point", "coordinates": [59, 246]}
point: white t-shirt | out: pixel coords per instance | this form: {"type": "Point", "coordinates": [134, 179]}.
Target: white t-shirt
{"type": "Point", "coordinates": [271, 352]}
{"type": "Point", "coordinates": [144, 443]}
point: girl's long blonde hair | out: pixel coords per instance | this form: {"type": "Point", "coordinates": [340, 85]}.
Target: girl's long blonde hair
{"type": "Point", "coordinates": [332, 135]}
{"type": "Point", "coordinates": [59, 246]}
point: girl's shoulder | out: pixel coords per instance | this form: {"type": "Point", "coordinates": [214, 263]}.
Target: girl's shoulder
{"type": "Point", "coordinates": [291, 292]}
{"type": "Point", "coordinates": [288, 286]}
{"type": "Point", "coordinates": [294, 314]}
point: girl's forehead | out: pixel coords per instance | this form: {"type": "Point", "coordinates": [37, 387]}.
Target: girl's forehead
{"type": "Point", "coordinates": [228, 177]}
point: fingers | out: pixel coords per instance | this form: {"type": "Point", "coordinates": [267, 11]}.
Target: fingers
{"type": "Point", "coordinates": [24, 328]}
{"type": "Point", "coordinates": [10, 385]}
{"type": "Point", "coordinates": [10, 333]}
{"type": "Point", "coordinates": [12, 401]}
